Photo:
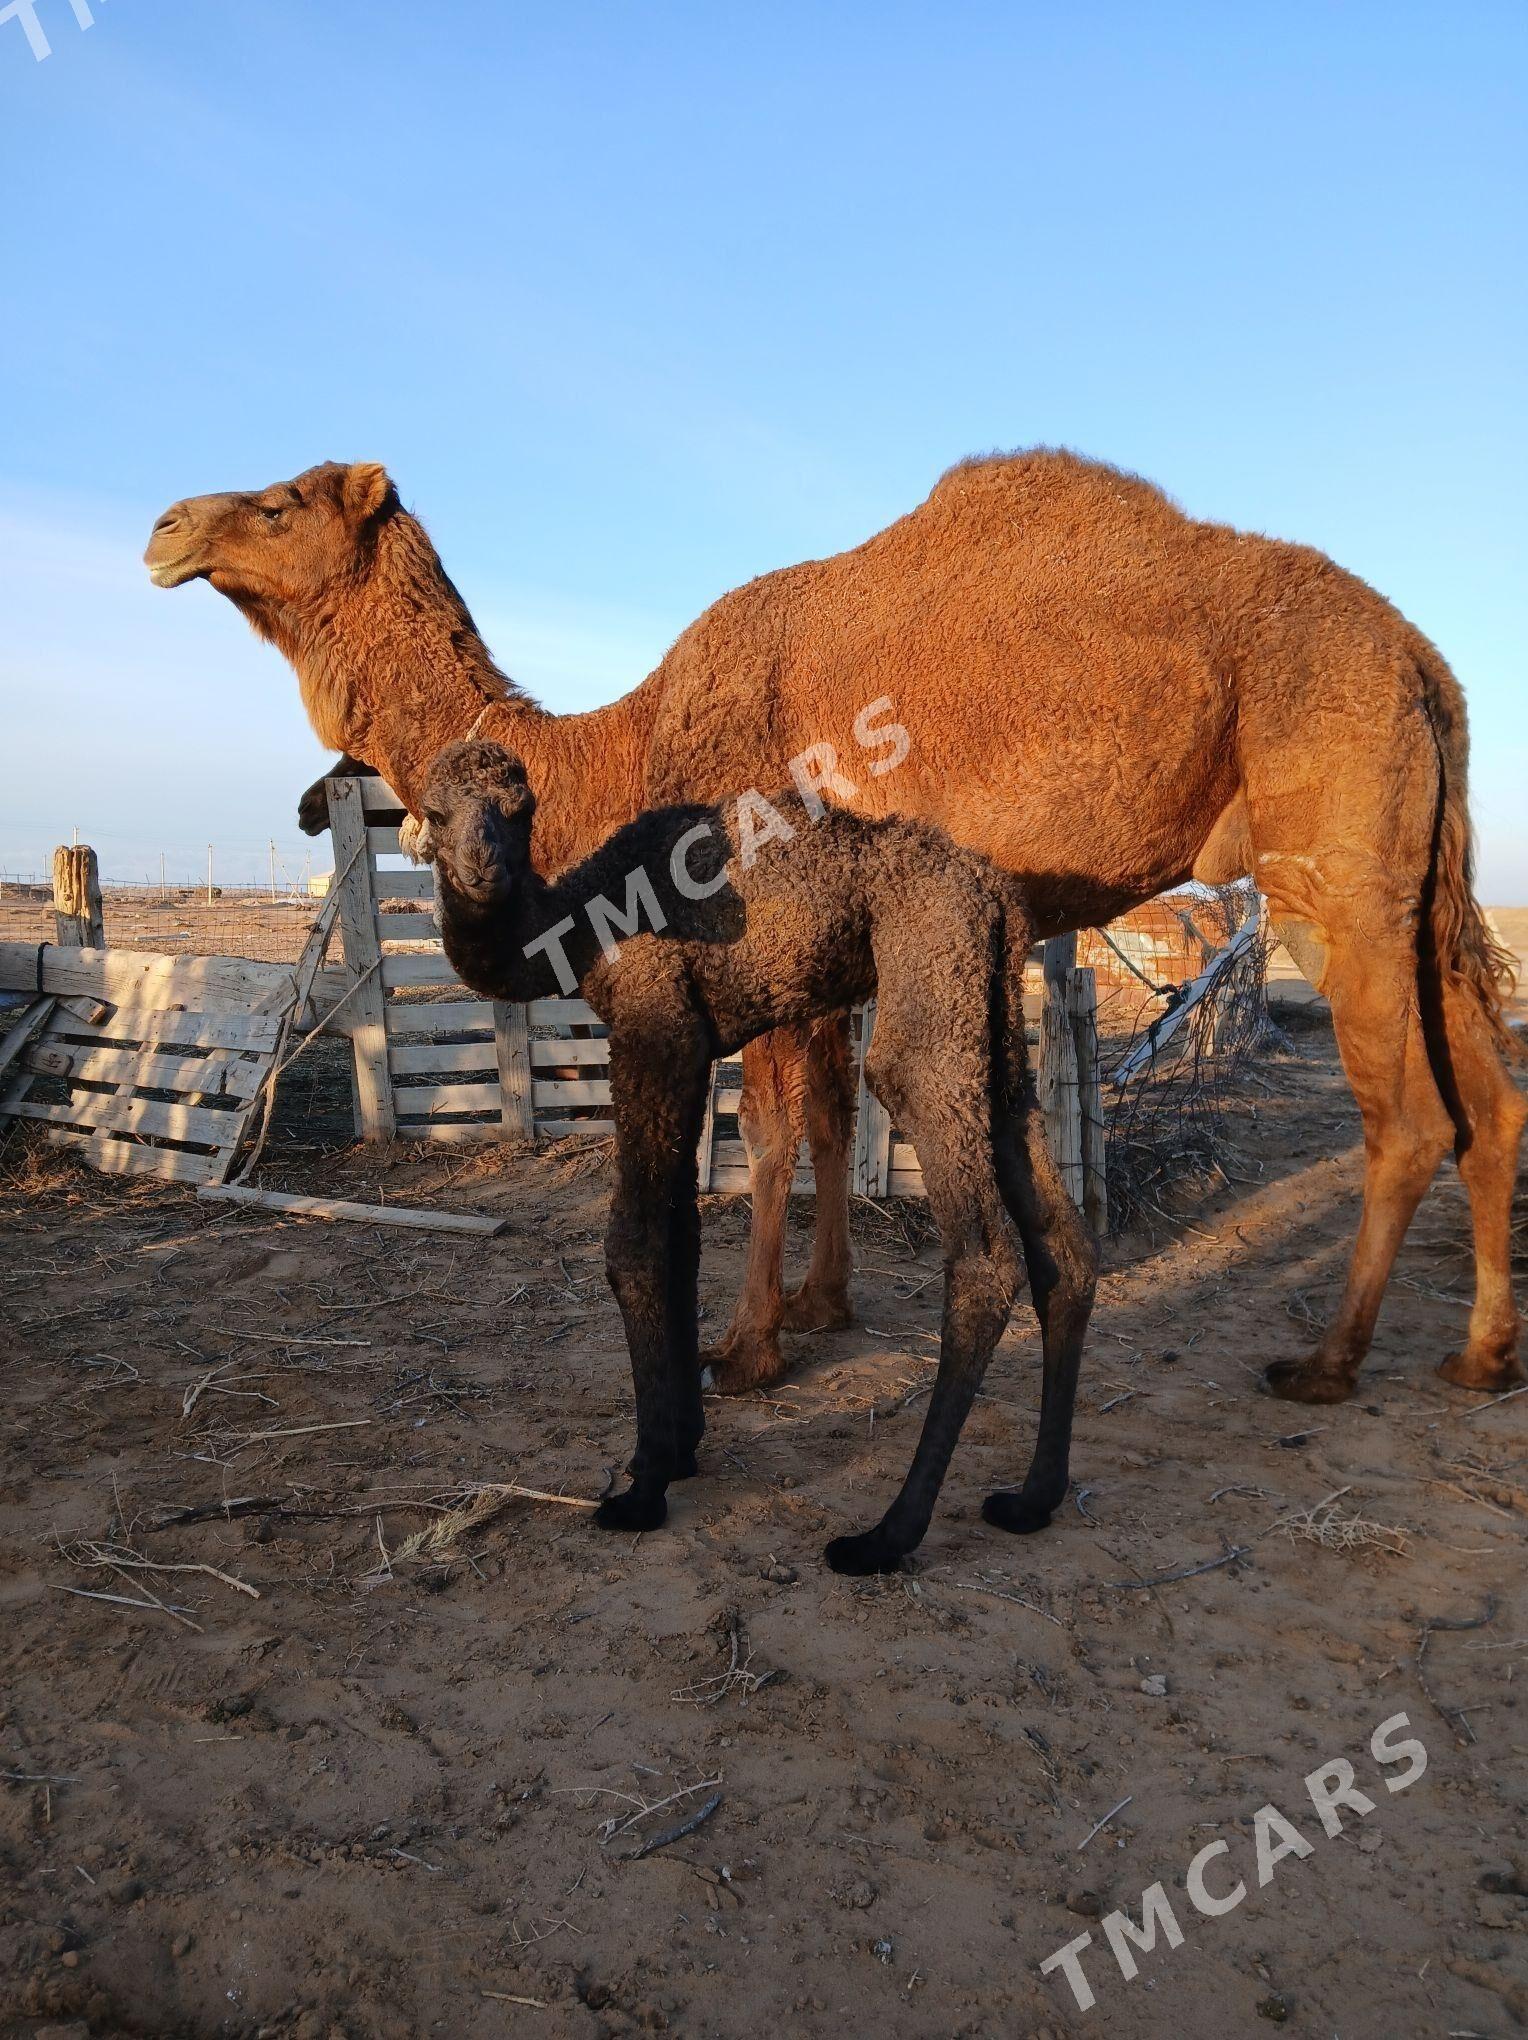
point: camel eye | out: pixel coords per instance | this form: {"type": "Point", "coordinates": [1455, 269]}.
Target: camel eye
{"type": "Point", "coordinates": [271, 512]}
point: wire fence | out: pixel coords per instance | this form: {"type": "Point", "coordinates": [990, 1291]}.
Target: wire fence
{"type": "Point", "coordinates": [265, 924]}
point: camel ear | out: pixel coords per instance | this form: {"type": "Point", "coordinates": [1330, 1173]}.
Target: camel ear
{"type": "Point", "coordinates": [367, 491]}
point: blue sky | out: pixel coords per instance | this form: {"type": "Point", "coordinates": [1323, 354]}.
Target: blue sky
{"type": "Point", "coordinates": [637, 301]}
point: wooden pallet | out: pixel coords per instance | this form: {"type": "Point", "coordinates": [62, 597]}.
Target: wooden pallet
{"type": "Point", "coordinates": [147, 1090]}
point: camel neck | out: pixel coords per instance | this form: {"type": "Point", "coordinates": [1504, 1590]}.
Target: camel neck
{"type": "Point", "coordinates": [392, 669]}
{"type": "Point", "coordinates": [589, 771]}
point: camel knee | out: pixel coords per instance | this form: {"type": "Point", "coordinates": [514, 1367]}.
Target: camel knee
{"type": "Point", "coordinates": [981, 1284]}
{"type": "Point", "coordinates": [633, 1257]}
{"type": "Point", "coordinates": [1409, 1151]}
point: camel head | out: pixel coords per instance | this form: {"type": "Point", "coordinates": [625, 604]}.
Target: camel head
{"type": "Point", "coordinates": [275, 551]}
{"type": "Point", "coordinates": [477, 813]}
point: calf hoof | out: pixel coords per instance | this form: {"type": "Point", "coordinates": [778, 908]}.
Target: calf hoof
{"type": "Point", "coordinates": [816, 1310]}
{"type": "Point", "coordinates": [686, 1466]}
{"type": "Point", "coordinates": [1012, 1512]}
{"type": "Point", "coordinates": [1306, 1381]}
{"type": "Point", "coordinates": [1490, 1373]}
{"type": "Point", "coordinates": [743, 1361]}
{"type": "Point", "coordinates": [871, 1552]}
{"type": "Point", "coordinates": [637, 1509]}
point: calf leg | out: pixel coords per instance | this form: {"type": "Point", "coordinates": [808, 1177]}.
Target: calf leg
{"type": "Point", "coordinates": [658, 1081]}
{"type": "Point", "coordinates": [1062, 1257]}
{"type": "Point", "coordinates": [947, 1115]}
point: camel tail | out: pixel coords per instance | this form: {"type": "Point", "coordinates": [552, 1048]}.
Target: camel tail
{"type": "Point", "coordinates": [1463, 950]}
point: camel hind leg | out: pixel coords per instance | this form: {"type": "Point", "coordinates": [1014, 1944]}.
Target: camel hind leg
{"type": "Point", "coordinates": [822, 1304]}
{"type": "Point", "coordinates": [930, 1066]}
{"type": "Point", "coordinates": [1488, 1112]}
{"type": "Point", "coordinates": [771, 1120]}
{"type": "Point", "coordinates": [1366, 929]}
{"type": "Point", "coordinates": [1062, 1258]}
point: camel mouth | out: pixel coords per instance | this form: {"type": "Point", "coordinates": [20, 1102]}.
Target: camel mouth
{"type": "Point", "coordinates": [173, 573]}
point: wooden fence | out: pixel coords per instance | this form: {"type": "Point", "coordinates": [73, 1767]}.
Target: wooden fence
{"type": "Point", "coordinates": [168, 1059]}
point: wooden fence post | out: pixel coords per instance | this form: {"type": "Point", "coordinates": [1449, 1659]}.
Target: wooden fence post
{"type": "Point", "coordinates": [77, 898]}
{"type": "Point", "coordinates": [375, 1118]}
{"type": "Point", "coordinates": [1082, 1003]}
{"type": "Point", "coordinates": [512, 1041]}
{"type": "Point", "coordinates": [872, 1126]}
{"type": "Point", "coordinates": [1057, 1076]}
{"type": "Point", "coordinates": [705, 1154]}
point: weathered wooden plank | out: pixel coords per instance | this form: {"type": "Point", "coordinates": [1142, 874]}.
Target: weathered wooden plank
{"type": "Point", "coordinates": [381, 842]}
{"type": "Point", "coordinates": [563, 1013]}
{"type": "Point", "coordinates": [140, 978]}
{"type": "Point", "coordinates": [115, 1157]}
{"type": "Point", "coordinates": [368, 1026]}
{"type": "Point", "coordinates": [222, 1074]}
{"type": "Point", "coordinates": [451, 1130]}
{"type": "Point", "coordinates": [430, 1058]}
{"type": "Point", "coordinates": [512, 1040]}
{"type": "Point", "coordinates": [404, 885]}
{"type": "Point", "coordinates": [547, 1091]}
{"type": "Point", "coordinates": [432, 1019]}
{"type": "Point", "coordinates": [363, 1214]}
{"type": "Point", "coordinates": [378, 798]}
{"type": "Point", "coordinates": [28, 1023]}
{"type": "Point", "coordinates": [114, 1113]}
{"type": "Point", "coordinates": [415, 1101]}
{"type": "Point", "coordinates": [407, 970]}
{"type": "Point", "coordinates": [153, 1027]}
{"type": "Point", "coordinates": [562, 1050]}
{"type": "Point", "coordinates": [408, 928]}
{"type": "Point", "coordinates": [562, 1129]}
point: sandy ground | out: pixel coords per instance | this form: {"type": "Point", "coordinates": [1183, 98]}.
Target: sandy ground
{"type": "Point", "coordinates": [395, 1795]}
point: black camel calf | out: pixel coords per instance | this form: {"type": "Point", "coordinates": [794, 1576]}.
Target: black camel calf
{"type": "Point", "coordinates": [741, 938]}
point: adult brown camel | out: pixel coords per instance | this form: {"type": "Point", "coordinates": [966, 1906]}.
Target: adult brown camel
{"type": "Point", "coordinates": [1101, 693]}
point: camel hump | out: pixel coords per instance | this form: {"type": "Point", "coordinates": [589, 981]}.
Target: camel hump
{"type": "Point", "coordinates": [1047, 476]}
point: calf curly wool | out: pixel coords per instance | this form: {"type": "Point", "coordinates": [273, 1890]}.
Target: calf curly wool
{"type": "Point", "coordinates": [764, 917]}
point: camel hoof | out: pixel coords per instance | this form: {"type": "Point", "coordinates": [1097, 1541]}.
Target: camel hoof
{"type": "Point", "coordinates": [1489, 1373]}
{"type": "Point", "coordinates": [1012, 1512]}
{"type": "Point", "coordinates": [742, 1362]}
{"type": "Point", "coordinates": [857, 1557]}
{"type": "Point", "coordinates": [1305, 1381]}
{"type": "Point", "coordinates": [637, 1509]}
{"type": "Point", "coordinates": [816, 1310]}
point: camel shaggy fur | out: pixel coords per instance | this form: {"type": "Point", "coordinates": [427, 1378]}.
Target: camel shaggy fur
{"type": "Point", "coordinates": [759, 937]}
{"type": "Point", "coordinates": [1099, 694]}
